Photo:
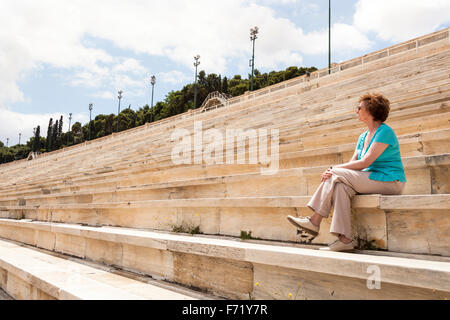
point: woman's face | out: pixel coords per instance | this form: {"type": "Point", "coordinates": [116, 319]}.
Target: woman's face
{"type": "Point", "coordinates": [363, 114]}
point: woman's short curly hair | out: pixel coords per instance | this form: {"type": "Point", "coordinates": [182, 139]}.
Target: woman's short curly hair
{"type": "Point", "coordinates": [377, 105]}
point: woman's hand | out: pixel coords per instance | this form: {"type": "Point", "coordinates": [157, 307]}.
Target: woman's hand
{"type": "Point", "coordinates": [326, 175]}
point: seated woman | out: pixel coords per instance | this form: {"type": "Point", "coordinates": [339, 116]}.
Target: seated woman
{"type": "Point", "coordinates": [376, 167]}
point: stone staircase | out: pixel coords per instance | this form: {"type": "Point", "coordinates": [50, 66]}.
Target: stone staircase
{"type": "Point", "coordinates": [116, 218]}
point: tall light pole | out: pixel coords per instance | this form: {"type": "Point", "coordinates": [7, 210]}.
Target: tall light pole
{"type": "Point", "coordinates": [20, 135]}
{"type": "Point", "coordinates": [68, 133]}
{"type": "Point", "coordinates": [253, 36]}
{"type": "Point", "coordinates": [90, 113]}
{"type": "Point", "coordinates": [7, 142]}
{"type": "Point", "coordinates": [152, 81]}
{"type": "Point", "coordinates": [329, 36]}
{"type": "Point", "coordinates": [196, 64]}
{"type": "Point", "coordinates": [118, 112]}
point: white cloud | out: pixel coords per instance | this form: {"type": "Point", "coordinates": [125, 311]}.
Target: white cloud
{"type": "Point", "coordinates": [48, 31]}
{"type": "Point", "coordinates": [38, 33]}
{"type": "Point", "coordinates": [86, 78]}
{"type": "Point", "coordinates": [175, 77]}
{"type": "Point", "coordinates": [344, 39]}
{"type": "Point", "coordinates": [129, 65]}
{"type": "Point", "coordinates": [278, 2]}
{"type": "Point", "coordinates": [13, 64]}
{"type": "Point", "coordinates": [218, 31]}
{"type": "Point", "coordinates": [54, 32]}
{"type": "Point", "coordinates": [108, 95]}
{"type": "Point", "coordinates": [24, 123]}
{"type": "Point", "coordinates": [125, 74]}
{"type": "Point", "coordinates": [401, 20]}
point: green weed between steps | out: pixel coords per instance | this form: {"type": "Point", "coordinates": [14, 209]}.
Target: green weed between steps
{"type": "Point", "coordinates": [187, 229]}
{"type": "Point", "coordinates": [247, 236]}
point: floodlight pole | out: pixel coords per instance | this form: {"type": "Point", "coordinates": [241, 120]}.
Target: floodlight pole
{"type": "Point", "coordinates": [68, 133]}
{"type": "Point", "coordinates": [253, 37]}
{"type": "Point", "coordinates": [196, 64]}
{"type": "Point", "coordinates": [329, 36]}
{"type": "Point", "coordinates": [118, 110]}
{"type": "Point", "coordinates": [90, 119]}
{"type": "Point", "coordinates": [152, 81]}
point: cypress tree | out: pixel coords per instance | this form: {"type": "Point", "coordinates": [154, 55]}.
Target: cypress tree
{"type": "Point", "coordinates": [37, 139]}
{"type": "Point", "coordinates": [60, 128]}
{"type": "Point", "coordinates": [225, 85]}
{"type": "Point", "coordinates": [49, 134]}
{"type": "Point", "coordinates": [54, 145]}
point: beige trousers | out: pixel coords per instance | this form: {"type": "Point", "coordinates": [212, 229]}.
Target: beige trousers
{"type": "Point", "coordinates": [339, 190]}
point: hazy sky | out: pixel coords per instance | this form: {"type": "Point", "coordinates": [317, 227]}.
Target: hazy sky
{"type": "Point", "coordinates": [57, 56]}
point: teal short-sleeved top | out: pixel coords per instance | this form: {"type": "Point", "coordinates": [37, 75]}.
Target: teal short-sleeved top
{"type": "Point", "coordinates": [388, 166]}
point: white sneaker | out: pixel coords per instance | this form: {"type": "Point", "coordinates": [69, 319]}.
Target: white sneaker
{"type": "Point", "coordinates": [305, 224]}
{"type": "Point", "coordinates": [338, 246]}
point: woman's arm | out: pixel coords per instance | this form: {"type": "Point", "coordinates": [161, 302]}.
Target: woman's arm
{"type": "Point", "coordinates": [355, 155]}
{"type": "Point", "coordinates": [375, 150]}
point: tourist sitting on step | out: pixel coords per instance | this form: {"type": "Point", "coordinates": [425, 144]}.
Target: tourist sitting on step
{"type": "Point", "coordinates": [375, 168]}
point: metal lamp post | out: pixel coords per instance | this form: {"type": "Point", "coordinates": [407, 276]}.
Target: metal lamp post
{"type": "Point", "coordinates": [152, 81]}
{"type": "Point", "coordinates": [90, 113]}
{"type": "Point", "coordinates": [118, 111]}
{"type": "Point", "coordinates": [329, 36]}
{"type": "Point", "coordinates": [253, 36]}
{"type": "Point", "coordinates": [196, 64]}
{"type": "Point", "coordinates": [68, 133]}
{"type": "Point", "coordinates": [7, 142]}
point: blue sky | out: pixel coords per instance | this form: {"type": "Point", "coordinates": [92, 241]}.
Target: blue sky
{"type": "Point", "coordinates": [57, 56]}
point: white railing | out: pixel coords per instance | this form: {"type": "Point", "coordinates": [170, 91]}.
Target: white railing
{"type": "Point", "coordinates": [215, 100]}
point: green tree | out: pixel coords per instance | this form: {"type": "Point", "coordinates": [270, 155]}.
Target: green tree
{"type": "Point", "coordinates": [6, 155]}
{"type": "Point", "coordinates": [77, 133]}
{"type": "Point", "coordinates": [20, 151]}
{"type": "Point", "coordinates": [59, 140]}
{"type": "Point", "coordinates": [49, 135]}
{"type": "Point", "coordinates": [54, 139]}
{"type": "Point", "coordinates": [127, 119]}
{"type": "Point", "coordinates": [37, 139]}
{"type": "Point", "coordinates": [143, 115]}
{"type": "Point", "coordinates": [239, 89]}
{"type": "Point", "coordinates": [225, 85]}
{"type": "Point", "coordinates": [100, 126]}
